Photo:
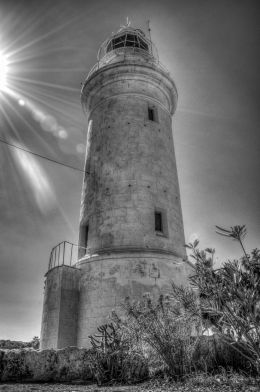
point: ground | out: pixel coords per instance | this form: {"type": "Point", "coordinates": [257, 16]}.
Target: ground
{"type": "Point", "coordinates": [219, 383]}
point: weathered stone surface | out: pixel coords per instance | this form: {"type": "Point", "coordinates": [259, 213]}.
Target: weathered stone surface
{"type": "Point", "coordinates": [108, 279]}
{"type": "Point", "coordinates": [60, 308]}
{"type": "Point", "coordinates": [130, 173]}
{"type": "Point", "coordinates": [66, 364]}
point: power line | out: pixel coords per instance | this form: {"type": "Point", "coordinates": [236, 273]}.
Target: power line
{"type": "Point", "coordinates": [42, 156]}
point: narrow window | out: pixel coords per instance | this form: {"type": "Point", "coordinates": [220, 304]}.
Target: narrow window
{"type": "Point", "coordinates": [158, 221]}
{"type": "Point", "coordinates": [86, 237]}
{"type": "Point", "coordinates": [83, 240]}
{"type": "Point", "coordinates": [151, 114]}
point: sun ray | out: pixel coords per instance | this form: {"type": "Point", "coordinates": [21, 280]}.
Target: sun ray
{"type": "Point", "coordinates": [51, 70]}
{"type": "Point", "coordinates": [67, 221]}
{"type": "Point", "coordinates": [27, 165]}
{"type": "Point", "coordinates": [44, 36]}
{"type": "Point", "coordinates": [38, 135]}
{"type": "Point", "coordinates": [16, 179]}
{"type": "Point", "coordinates": [29, 28]}
{"type": "Point", "coordinates": [43, 53]}
{"type": "Point", "coordinates": [10, 123]}
{"type": "Point", "coordinates": [38, 82]}
{"type": "Point", "coordinates": [48, 105]}
{"type": "Point", "coordinates": [4, 189]}
{"type": "Point", "coordinates": [40, 93]}
{"type": "Point", "coordinates": [57, 99]}
{"type": "Point", "coordinates": [40, 185]}
{"type": "Point", "coordinates": [10, 162]}
{"type": "Point", "coordinates": [64, 113]}
{"type": "Point", "coordinates": [3, 71]}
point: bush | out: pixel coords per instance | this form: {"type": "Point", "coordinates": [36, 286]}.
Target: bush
{"type": "Point", "coordinates": [29, 365]}
{"type": "Point", "coordinates": [213, 353]}
{"type": "Point", "coordinates": [230, 296]}
{"type": "Point", "coordinates": [165, 327]}
{"type": "Point", "coordinates": [14, 344]}
{"type": "Point", "coordinates": [114, 359]}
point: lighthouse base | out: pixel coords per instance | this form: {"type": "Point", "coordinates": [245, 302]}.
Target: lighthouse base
{"type": "Point", "coordinates": [107, 280]}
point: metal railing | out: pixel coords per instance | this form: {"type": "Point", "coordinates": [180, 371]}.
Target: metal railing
{"type": "Point", "coordinates": [126, 51]}
{"type": "Point", "coordinates": [65, 253]}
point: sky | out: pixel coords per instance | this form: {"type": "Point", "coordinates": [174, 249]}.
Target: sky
{"type": "Point", "coordinates": [209, 47]}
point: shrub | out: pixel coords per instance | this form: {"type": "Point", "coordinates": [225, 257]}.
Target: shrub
{"type": "Point", "coordinates": [114, 359]}
{"type": "Point", "coordinates": [14, 344]}
{"type": "Point", "coordinates": [165, 327]}
{"type": "Point", "coordinates": [230, 296]}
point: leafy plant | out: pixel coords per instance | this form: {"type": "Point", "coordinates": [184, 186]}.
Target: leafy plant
{"type": "Point", "coordinates": [230, 296]}
{"type": "Point", "coordinates": [165, 327]}
{"type": "Point", "coordinates": [13, 344]}
{"type": "Point", "coordinates": [113, 356]}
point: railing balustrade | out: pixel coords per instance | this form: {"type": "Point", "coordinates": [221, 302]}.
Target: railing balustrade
{"type": "Point", "coordinates": [65, 253]}
{"type": "Point", "coordinates": [122, 51]}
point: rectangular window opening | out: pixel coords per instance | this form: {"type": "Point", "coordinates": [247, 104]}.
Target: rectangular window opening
{"type": "Point", "coordinates": [86, 237]}
{"type": "Point", "coordinates": [158, 221]}
{"type": "Point", "coordinates": [151, 116]}
{"type": "Point", "coordinates": [153, 113]}
{"type": "Point", "coordinates": [83, 240]}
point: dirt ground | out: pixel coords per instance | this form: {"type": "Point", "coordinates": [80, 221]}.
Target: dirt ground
{"type": "Point", "coordinates": [65, 388]}
{"type": "Point", "coordinates": [197, 383]}
{"type": "Point", "coordinates": [209, 385]}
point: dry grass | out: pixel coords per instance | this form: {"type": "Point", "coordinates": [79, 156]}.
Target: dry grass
{"type": "Point", "coordinates": [223, 382]}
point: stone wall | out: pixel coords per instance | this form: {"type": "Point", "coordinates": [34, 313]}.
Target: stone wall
{"type": "Point", "coordinates": [130, 173]}
{"type": "Point", "coordinates": [130, 163]}
{"type": "Point", "coordinates": [74, 364]}
{"type": "Point", "coordinates": [47, 365]}
{"type": "Point", "coordinates": [130, 178]}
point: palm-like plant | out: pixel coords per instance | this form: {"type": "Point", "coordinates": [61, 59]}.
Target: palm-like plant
{"type": "Point", "coordinates": [230, 296]}
{"type": "Point", "coordinates": [166, 327]}
{"type": "Point", "coordinates": [237, 233]}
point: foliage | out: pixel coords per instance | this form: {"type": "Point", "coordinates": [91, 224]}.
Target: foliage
{"type": "Point", "coordinates": [35, 343]}
{"type": "Point", "coordinates": [165, 327]}
{"type": "Point", "coordinates": [200, 382]}
{"type": "Point", "coordinates": [230, 296]}
{"type": "Point", "coordinates": [222, 381]}
{"type": "Point", "coordinates": [113, 356]}
{"type": "Point", "coordinates": [14, 344]}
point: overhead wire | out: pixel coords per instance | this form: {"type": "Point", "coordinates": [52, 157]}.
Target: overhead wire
{"type": "Point", "coordinates": [42, 156]}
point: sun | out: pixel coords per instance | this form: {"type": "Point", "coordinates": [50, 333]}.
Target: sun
{"type": "Point", "coordinates": [3, 71]}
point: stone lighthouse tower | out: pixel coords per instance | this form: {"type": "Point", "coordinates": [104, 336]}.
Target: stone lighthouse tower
{"type": "Point", "coordinates": [131, 230]}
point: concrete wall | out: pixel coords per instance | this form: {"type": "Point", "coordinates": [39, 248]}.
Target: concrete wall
{"type": "Point", "coordinates": [130, 163]}
{"type": "Point", "coordinates": [130, 173]}
{"type": "Point", "coordinates": [60, 307]}
{"type": "Point", "coordinates": [107, 280]}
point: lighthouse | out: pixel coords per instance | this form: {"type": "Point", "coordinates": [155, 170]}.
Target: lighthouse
{"type": "Point", "coordinates": [131, 236]}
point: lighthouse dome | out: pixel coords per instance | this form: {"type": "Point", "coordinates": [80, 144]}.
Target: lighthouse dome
{"type": "Point", "coordinates": [128, 44]}
{"type": "Point", "coordinates": [128, 37]}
